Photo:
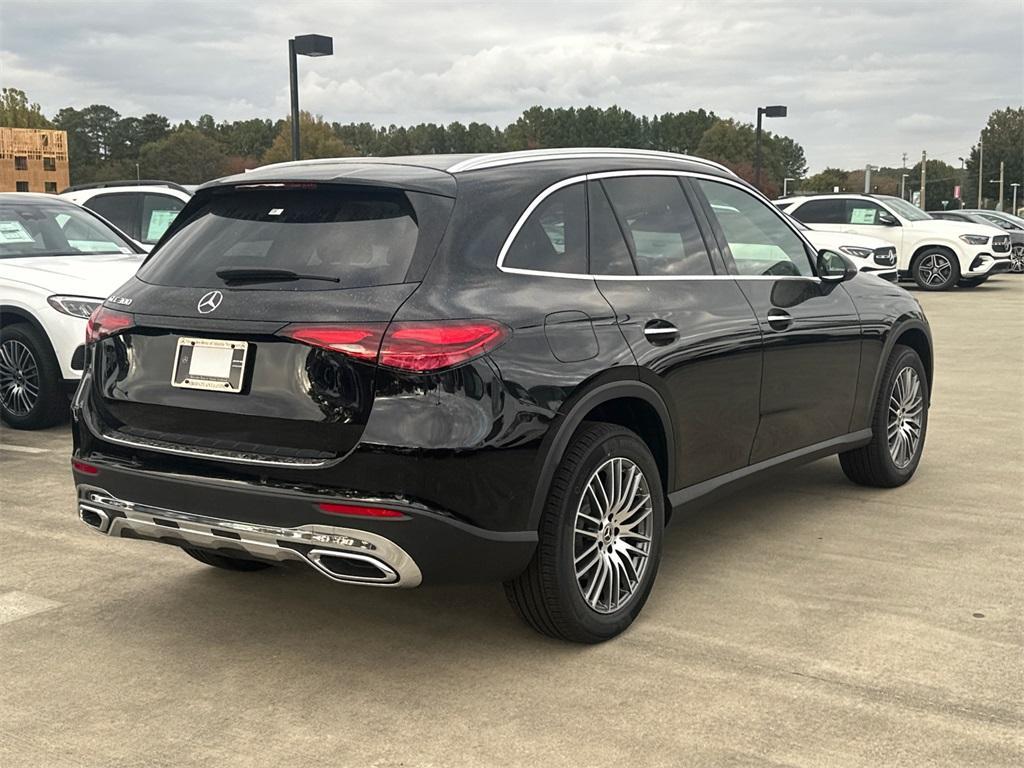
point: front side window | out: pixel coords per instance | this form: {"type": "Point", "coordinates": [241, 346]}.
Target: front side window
{"type": "Point", "coordinates": [658, 223]}
{"type": "Point", "coordinates": [554, 236]}
{"type": "Point", "coordinates": [864, 212]}
{"type": "Point", "coordinates": [822, 211]}
{"type": "Point", "coordinates": [158, 211]}
{"type": "Point", "coordinates": [760, 242]}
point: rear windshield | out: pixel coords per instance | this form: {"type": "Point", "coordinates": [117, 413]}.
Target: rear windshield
{"type": "Point", "coordinates": [362, 236]}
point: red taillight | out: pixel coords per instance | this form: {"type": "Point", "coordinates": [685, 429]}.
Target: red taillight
{"type": "Point", "coordinates": [105, 322]}
{"type": "Point", "coordinates": [358, 510]}
{"type": "Point", "coordinates": [420, 347]}
{"type": "Point", "coordinates": [358, 341]}
{"type": "Point", "coordinates": [85, 469]}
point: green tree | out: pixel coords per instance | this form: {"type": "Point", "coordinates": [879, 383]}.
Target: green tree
{"type": "Point", "coordinates": [1003, 135]}
{"type": "Point", "coordinates": [827, 181]}
{"type": "Point", "coordinates": [939, 183]}
{"type": "Point", "coordinates": [186, 156]}
{"type": "Point", "coordinates": [316, 139]}
{"type": "Point", "coordinates": [17, 112]}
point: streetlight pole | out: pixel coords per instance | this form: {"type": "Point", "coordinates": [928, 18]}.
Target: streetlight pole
{"type": "Point", "coordinates": [785, 185]}
{"type": "Point", "coordinates": [1015, 185]}
{"type": "Point", "coordinates": [981, 163]}
{"type": "Point", "coordinates": [903, 186]}
{"type": "Point", "coordinates": [302, 45]}
{"type": "Point", "coordinates": [867, 177]}
{"type": "Point", "coordinates": [1002, 176]}
{"type": "Point", "coordinates": [773, 111]}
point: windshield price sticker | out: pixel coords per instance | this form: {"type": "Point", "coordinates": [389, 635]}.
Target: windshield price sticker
{"type": "Point", "coordinates": [14, 232]}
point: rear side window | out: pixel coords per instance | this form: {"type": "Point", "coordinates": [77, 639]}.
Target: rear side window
{"type": "Point", "coordinates": [659, 225]}
{"type": "Point", "coordinates": [363, 236]}
{"type": "Point", "coordinates": [554, 236]}
{"type": "Point", "coordinates": [609, 254]}
{"type": "Point", "coordinates": [120, 209]}
{"type": "Point", "coordinates": [823, 211]}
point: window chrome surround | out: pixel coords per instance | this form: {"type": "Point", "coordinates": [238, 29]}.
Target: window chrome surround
{"type": "Point", "coordinates": [652, 172]}
{"type": "Point", "coordinates": [499, 159]}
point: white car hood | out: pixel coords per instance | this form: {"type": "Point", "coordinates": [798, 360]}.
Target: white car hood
{"type": "Point", "coordinates": [96, 275]}
{"type": "Point", "coordinates": [953, 229]}
{"type": "Point", "coordinates": [821, 238]}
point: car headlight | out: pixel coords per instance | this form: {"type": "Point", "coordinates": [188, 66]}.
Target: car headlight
{"type": "Point", "coordinates": [852, 250]}
{"type": "Point", "coordinates": [975, 239]}
{"type": "Point", "coordinates": [76, 306]}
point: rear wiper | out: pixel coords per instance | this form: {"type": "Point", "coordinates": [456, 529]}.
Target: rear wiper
{"type": "Point", "coordinates": [267, 275]}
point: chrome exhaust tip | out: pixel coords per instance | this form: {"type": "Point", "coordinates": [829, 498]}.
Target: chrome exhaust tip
{"type": "Point", "coordinates": [352, 567]}
{"type": "Point", "coordinates": [94, 517]}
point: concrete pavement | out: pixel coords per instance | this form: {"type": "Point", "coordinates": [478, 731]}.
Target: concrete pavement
{"type": "Point", "coordinates": [801, 622]}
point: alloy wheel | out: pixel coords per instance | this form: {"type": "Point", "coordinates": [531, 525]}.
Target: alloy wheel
{"type": "Point", "coordinates": [935, 269]}
{"type": "Point", "coordinates": [1017, 258]}
{"type": "Point", "coordinates": [612, 535]}
{"type": "Point", "coordinates": [906, 411]}
{"type": "Point", "coordinates": [19, 378]}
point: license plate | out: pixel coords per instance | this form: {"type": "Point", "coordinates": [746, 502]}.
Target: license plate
{"type": "Point", "coordinates": [209, 364]}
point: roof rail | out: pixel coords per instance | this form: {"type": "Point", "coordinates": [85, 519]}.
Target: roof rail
{"type": "Point", "coordinates": [126, 183]}
{"type": "Point", "coordinates": [498, 159]}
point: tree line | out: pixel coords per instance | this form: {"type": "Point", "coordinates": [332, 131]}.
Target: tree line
{"type": "Point", "coordinates": [105, 145]}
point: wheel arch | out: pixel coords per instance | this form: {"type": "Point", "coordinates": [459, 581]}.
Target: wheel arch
{"type": "Point", "coordinates": [629, 403]}
{"type": "Point", "coordinates": [911, 333]}
{"type": "Point", "coordinates": [10, 314]}
{"type": "Point", "coordinates": [929, 245]}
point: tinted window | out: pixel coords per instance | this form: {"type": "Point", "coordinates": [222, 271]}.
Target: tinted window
{"type": "Point", "coordinates": [609, 254]}
{"type": "Point", "coordinates": [363, 236]}
{"type": "Point", "coordinates": [54, 229]}
{"type": "Point", "coordinates": [659, 225]}
{"type": "Point", "coordinates": [158, 211]}
{"type": "Point", "coordinates": [119, 209]}
{"type": "Point", "coordinates": [554, 237]}
{"type": "Point", "coordinates": [760, 242]}
{"type": "Point", "coordinates": [823, 211]}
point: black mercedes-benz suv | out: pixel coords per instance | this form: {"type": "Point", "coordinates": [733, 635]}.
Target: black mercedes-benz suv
{"type": "Point", "coordinates": [506, 367]}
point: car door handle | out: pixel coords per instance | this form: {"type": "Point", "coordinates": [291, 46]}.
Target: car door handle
{"type": "Point", "coordinates": [779, 319]}
{"type": "Point", "coordinates": [660, 332]}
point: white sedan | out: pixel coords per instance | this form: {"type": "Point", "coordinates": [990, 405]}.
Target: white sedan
{"type": "Point", "coordinates": [58, 262]}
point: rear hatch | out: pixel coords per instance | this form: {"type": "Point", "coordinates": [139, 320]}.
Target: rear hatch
{"type": "Point", "coordinates": [251, 334]}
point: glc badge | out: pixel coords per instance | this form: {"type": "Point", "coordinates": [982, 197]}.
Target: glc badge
{"type": "Point", "coordinates": [210, 302]}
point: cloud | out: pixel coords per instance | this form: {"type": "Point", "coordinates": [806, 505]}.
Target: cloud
{"type": "Point", "coordinates": [864, 82]}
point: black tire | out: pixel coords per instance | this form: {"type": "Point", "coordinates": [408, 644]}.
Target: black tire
{"type": "Point", "coordinates": [226, 562]}
{"type": "Point", "coordinates": [547, 594]}
{"type": "Point", "coordinates": [873, 464]}
{"type": "Point", "coordinates": [21, 376]}
{"type": "Point", "coordinates": [1017, 259]}
{"type": "Point", "coordinates": [973, 282]}
{"type": "Point", "coordinates": [931, 259]}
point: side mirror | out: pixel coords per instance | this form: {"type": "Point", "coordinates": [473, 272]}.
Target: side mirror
{"type": "Point", "coordinates": [834, 267]}
{"type": "Point", "coordinates": [886, 219]}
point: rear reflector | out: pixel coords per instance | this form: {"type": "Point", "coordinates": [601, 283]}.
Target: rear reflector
{"type": "Point", "coordinates": [85, 469]}
{"type": "Point", "coordinates": [358, 510]}
{"type": "Point", "coordinates": [105, 322]}
{"type": "Point", "coordinates": [419, 347]}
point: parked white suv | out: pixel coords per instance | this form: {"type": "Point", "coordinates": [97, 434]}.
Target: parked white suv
{"type": "Point", "coordinates": [58, 262]}
{"type": "Point", "coordinates": [870, 254]}
{"type": "Point", "coordinates": [141, 209]}
{"type": "Point", "coordinates": [936, 254]}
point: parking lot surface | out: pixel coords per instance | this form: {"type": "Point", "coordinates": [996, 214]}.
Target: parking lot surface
{"type": "Point", "coordinates": [803, 621]}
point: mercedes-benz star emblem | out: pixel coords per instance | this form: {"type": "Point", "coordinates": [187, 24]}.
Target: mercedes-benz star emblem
{"type": "Point", "coordinates": [210, 302]}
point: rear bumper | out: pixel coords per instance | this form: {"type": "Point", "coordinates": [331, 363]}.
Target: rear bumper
{"type": "Point", "coordinates": [279, 526]}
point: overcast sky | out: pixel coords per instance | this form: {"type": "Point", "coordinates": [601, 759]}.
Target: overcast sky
{"type": "Point", "coordinates": [865, 80]}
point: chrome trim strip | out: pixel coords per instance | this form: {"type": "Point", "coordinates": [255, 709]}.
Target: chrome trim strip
{"type": "Point", "coordinates": [210, 453]}
{"type": "Point", "coordinates": [507, 245]}
{"type": "Point", "coordinates": [499, 159]}
{"type": "Point", "coordinates": [659, 331]}
{"type": "Point", "coordinates": [263, 541]}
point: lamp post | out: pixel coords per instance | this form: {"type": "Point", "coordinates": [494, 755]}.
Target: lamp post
{"type": "Point", "coordinates": [1015, 185]}
{"type": "Point", "coordinates": [303, 45]}
{"type": "Point", "coordinates": [774, 111]}
{"type": "Point", "coordinates": [903, 186]}
{"type": "Point", "coordinates": [785, 185]}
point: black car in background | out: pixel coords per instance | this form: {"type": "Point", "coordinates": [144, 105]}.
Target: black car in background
{"type": "Point", "coordinates": [506, 367]}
